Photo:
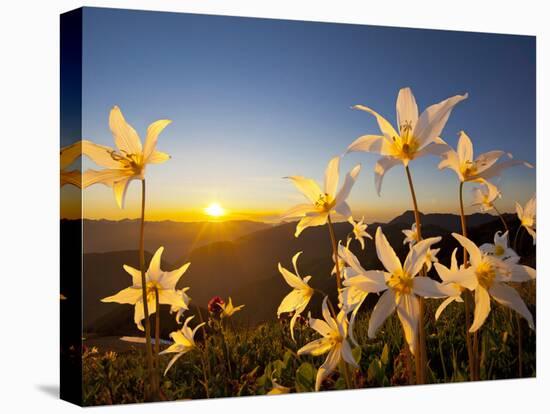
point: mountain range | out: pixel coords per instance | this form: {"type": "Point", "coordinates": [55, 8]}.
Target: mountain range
{"type": "Point", "coordinates": [245, 267]}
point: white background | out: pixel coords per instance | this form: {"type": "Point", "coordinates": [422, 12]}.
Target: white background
{"type": "Point", "coordinates": [29, 101]}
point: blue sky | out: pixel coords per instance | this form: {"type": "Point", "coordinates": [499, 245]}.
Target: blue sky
{"type": "Point", "coordinates": [254, 100]}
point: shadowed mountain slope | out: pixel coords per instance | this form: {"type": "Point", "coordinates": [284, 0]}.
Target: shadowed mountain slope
{"type": "Point", "coordinates": [246, 268]}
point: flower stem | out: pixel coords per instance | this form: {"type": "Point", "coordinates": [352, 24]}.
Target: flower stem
{"type": "Point", "coordinates": [226, 349]}
{"type": "Point", "coordinates": [520, 347]}
{"type": "Point", "coordinates": [335, 253]}
{"type": "Point", "coordinates": [148, 346]}
{"type": "Point", "coordinates": [420, 357]}
{"type": "Point", "coordinates": [501, 219]}
{"type": "Point", "coordinates": [516, 238]}
{"type": "Point", "coordinates": [157, 339]}
{"type": "Point", "coordinates": [347, 378]}
{"type": "Point", "coordinates": [470, 345]}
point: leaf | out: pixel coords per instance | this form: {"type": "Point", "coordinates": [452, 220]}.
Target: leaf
{"type": "Point", "coordinates": [376, 372]}
{"type": "Point", "coordinates": [385, 357]}
{"type": "Point", "coordinates": [305, 378]}
{"type": "Point", "coordinates": [356, 352]}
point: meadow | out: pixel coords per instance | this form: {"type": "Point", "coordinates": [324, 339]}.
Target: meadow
{"type": "Point", "coordinates": [265, 358]}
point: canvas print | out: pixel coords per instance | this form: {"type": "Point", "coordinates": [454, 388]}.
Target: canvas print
{"type": "Point", "coordinates": [262, 207]}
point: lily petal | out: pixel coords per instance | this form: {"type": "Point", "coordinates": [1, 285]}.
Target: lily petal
{"type": "Point", "coordinates": [328, 366]}
{"type": "Point", "coordinates": [386, 128]}
{"type": "Point", "coordinates": [433, 119]}
{"type": "Point", "coordinates": [482, 309]}
{"type": "Point", "coordinates": [385, 253]}
{"type": "Point", "coordinates": [408, 311]}
{"type": "Point", "coordinates": [126, 137]}
{"type": "Point", "coordinates": [383, 308]}
{"type": "Point", "coordinates": [332, 176]}
{"type": "Point", "coordinates": [307, 187]}
{"type": "Point", "coordinates": [406, 108]}
{"type": "Point", "coordinates": [508, 296]}
{"type": "Point", "coordinates": [130, 295]}
{"type": "Point", "coordinates": [151, 138]}
{"type": "Point", "coordinates": [383, 165]}
{"type": "Point", "coordinates": [349, 181]}
{"type": "Point", "coordinates": [100, 154]}
{"type": "Point", "coordinates": [315, 219]}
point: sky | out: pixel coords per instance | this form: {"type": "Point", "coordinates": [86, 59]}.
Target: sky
{"type": "Point", "coordinates": [255, 100]}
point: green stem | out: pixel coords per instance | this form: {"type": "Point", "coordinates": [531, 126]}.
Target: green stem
{"type": "Point", "coordinates": [335, 253]}
{"type": "Point", "coordinates": [226, 349]}
{"type": "Point", "coordinates": [148, 346]}
{"type": "Point", "coordinates": [421, 356]}
{"type": "Point", "coordinates": [516, 238]}
{"type": "Point", "coordinates": [470, 345]}
{"type": "Point", "coordinates": [157, 340]}
{"type": "Point", "coordinates": [520, 347]}
{"type": "Point", "coordinates": [502, 219]}
{"type": "Point", "coordinates": [347, 378]}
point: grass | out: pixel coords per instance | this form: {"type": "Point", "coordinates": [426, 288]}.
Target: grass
{"type": "Point", "coordinates": [255, 356]}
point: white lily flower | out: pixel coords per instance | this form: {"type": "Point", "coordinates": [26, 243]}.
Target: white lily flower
{"type": "Point", "coordinates": [411, 236]}
{"type": "Point", "coordinates": [357, 286]}
{"type": "Point", "coordinates": [454, 280]}
{"type": "Point", "coordinates": [297, 300]}
{"type": "Point", "coordinates": [404, 287]}
{"type": "Point", "coordinates": [360, 230]}
{"type": "Point", "coordinates": [322, 203]}
{"type": "Point", "coordinates": [528, 217]}
{"type": "Point", "coordinates": [67, 156]}
{"type": "Point", "coordinates": [485, 196]}
{"type": "Point", "coordinates": [500, 249]}
{"type": "Point", "coordinates": [342, 265]}
{"type": "Point", "coordinates": [128, 161]}
{"type": "Point", "coordinates": [416, 136]}
{"type": "Point", "coordinates": [431, 257]}
{"type": "Point", "coordinates": [157, 280]}
{"type": "Point", "coordinates": [480, 169]}
{"type": "Point", "coordinates": [334, 332]}
{"type": "Point", "coordinates": [228, 309]}
{"type": "Point", "coordinates": [179, 310]}
{"type": "Point", "coordinates": [184, 341]}
{"type": "Point", "coordinates": [486, 276]}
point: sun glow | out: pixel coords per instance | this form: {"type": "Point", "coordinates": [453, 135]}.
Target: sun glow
{"type": "Point", "coordinates": [215, 210]}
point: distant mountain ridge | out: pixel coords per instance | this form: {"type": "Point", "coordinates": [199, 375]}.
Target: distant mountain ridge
{"type": "Point", "coordinates": [246, 267]}
{"type": "Point", "coordinates": [178, 238]}
{"type": "Point", "coordinates": [447, 221]}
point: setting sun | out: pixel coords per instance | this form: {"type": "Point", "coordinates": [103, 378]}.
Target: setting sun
{"type": "Point", "coordinates": [215, 210]}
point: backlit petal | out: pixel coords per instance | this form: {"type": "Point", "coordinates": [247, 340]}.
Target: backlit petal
{"type": "Point", "coordinates": [385, 127]}
{"type": "Point", "coordinates": [328, 366]}
{"type": "Point", "coordinates": [151, 138]}
{"type": "Point", "coordinates": [332, 176]}
{"type": "Point", "coordinates": [471, 248]}
{"type": "Point", "coordinates": [482, 308]}
{"type": "Point", "coordinates": [307, 187]}
{"type": "Point", "coordinates": [382, 166]}
{"type": "Point", "coordinates": [406, 108]}
{"type": "Point", "coordinates": [126, 137]}
{"type": "Point", "coordinates": [315, 219]}
{"type": "Point", "coordinates": [384, 308]}
{"type": "Point", "coordinates": [100, 154]}
{"type": "Point", "coordinates": [129, 295]}
{"type": "Point", "coordinates": [432, 121]}
{"type": "Point", "coordinates": [158, 157]}
{"type": "Point", "coordinates": [349, 181]}
{"type": "Point", "coordinates": [385, 253]}
{"type": "Point", "coordinates": [508, 296]}
{"type": "Point", "coordinates": [408, 311]}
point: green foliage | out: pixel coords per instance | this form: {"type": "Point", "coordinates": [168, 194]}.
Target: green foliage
{"type": "Point", "coordinates": [305, 378]}
{"type": "Point", "coordinates": [245, 360]}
